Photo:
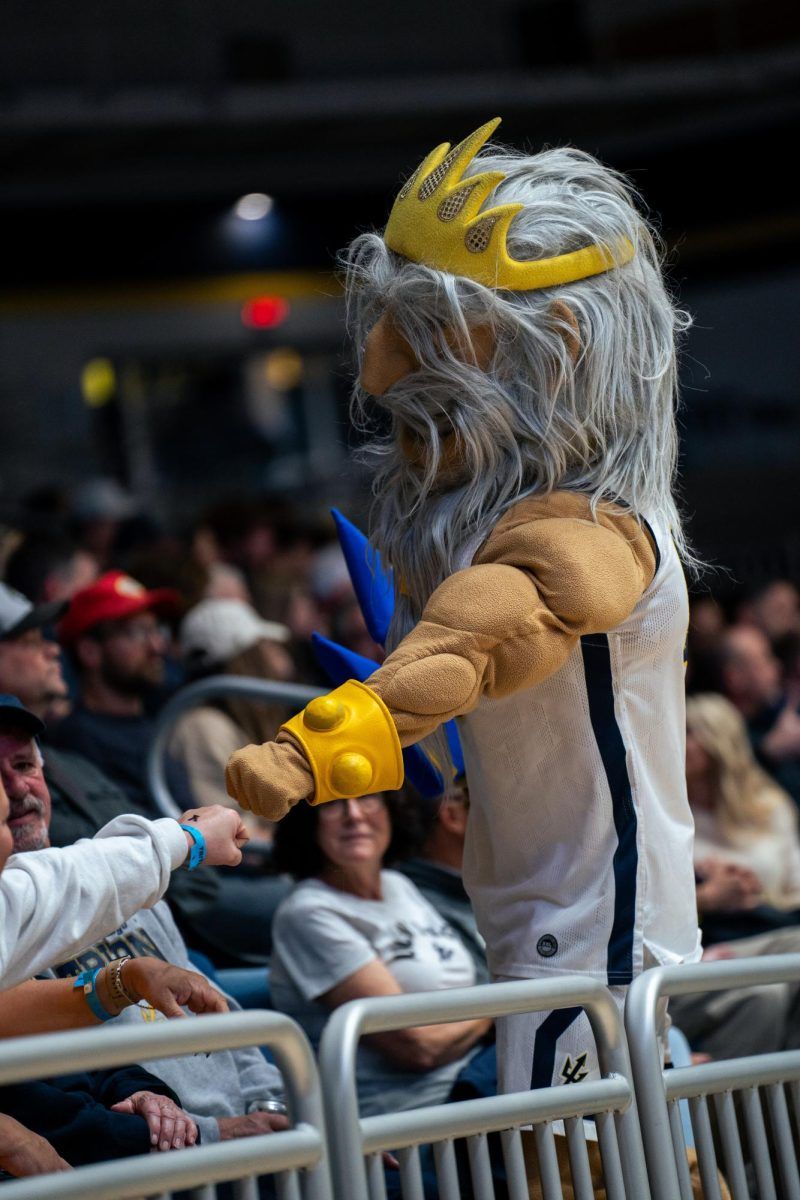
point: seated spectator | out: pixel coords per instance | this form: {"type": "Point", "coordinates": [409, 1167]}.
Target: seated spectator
{"type": "Point", "coordinates": [84, 799]}
{"type": "Point", "coordinates": [746, 855]}
{"type": "Point", "coordinates": [352, 929]}
{"type": "Point", "coordinates": [113, 635]}
{"type": "Point", "coordinates": [30, 664]}
{"type": "Point", "coordinates": [750, 676]}
{"type": "Point", "coordinates": [774, 608]}
{"type": "Point", "coordinates": [436, 867]}
{"type": "Point", "coordinates": [741, 817]}
{"type": "Point", "coordinates": [219, 1090]}
{"type": "Point", "coordinates": [94, 1116]}
{"type": "Point", "coordinates": [227, 637]}
{"type": "Point", "coordinates": [55, 901]}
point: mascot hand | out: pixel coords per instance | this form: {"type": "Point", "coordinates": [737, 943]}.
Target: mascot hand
{"type": "Point", "coordinates": [269, 779]}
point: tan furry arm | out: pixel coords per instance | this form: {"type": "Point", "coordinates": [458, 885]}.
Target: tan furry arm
{"type": "Point", "coordinates": [548, 574]}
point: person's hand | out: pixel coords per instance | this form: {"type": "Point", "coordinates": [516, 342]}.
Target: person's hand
{"type": "Point", "coordinates": [251, 1125]}
{"type": "Point", "coordinates": [23, 1152]}
{"type": "Point", "coordinates": [223, 830]}
{"type": "Point", "coordinates": [783, 740]}
{"type": "Point", "coordinates": [718, 953]}
{"type": "Point", "coordinates": [170, 1127]}
{"type": "Point", "coordinates": [726, 887]}
{"type": "Point", "coordinates": [170, 989]}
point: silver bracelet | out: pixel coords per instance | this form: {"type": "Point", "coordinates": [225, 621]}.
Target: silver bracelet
{"type": "Point", "coordinates": [270, 1106]}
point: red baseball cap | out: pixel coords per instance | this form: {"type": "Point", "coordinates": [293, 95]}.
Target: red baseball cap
{"type": "Point", "coordinates": [113, 597]}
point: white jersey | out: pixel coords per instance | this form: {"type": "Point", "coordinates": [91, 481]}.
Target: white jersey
{"type": "Point", "coordinates": [579, 844]}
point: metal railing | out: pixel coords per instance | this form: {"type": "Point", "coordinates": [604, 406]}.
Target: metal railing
{"type": "Point", "coordinates": [357, 1144]}
{"type": "Point", "coordinates": [297, 1157]}
{"type": "Point", "coordinates": [752, 1139]}
{"type": "Point", "coordinates": [293, 695]}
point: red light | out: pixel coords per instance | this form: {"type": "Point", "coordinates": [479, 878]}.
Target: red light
{"type": "Point", "coordinates": [265, 312]}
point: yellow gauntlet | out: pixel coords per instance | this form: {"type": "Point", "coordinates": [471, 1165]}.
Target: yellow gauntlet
{"type": "Point", "coordinates": [350, 741]}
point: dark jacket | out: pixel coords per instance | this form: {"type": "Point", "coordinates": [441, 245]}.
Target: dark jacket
{"type": "Point", "coordinates": [73, 1112]}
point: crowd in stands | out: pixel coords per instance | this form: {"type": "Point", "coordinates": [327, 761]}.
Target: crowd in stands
{"type": "Point", "coordinates": [103, 617]}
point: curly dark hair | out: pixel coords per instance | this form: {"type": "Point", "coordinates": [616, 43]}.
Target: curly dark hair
{"type": "Point", "coordinates": [295, 849]}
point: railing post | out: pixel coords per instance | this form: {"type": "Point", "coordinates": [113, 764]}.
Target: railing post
{"type": "Point", "coordinates": [350, 1136]}
{"type": "Point", "coordinates": [641, 1007]}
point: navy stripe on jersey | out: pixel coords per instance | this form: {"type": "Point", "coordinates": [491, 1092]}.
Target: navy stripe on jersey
{"type": "Point", "coordinates": [600, 691]}
{"type": "Point", "coordinates": [544, 1048]}
{"type": "Point", "coordinates": [656, 549]}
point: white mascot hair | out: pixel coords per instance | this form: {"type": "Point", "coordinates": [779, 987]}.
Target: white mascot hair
{"type": "Point", "coordinates": [596, 416]}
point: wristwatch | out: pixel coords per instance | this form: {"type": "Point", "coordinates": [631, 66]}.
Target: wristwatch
{"type": "Point", "coordinates": [270, 1106]}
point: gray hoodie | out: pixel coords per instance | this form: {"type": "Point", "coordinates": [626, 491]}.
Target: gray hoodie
{"type": "Point", "coordinates": [221, 1084]}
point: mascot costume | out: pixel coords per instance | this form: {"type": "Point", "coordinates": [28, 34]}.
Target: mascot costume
{"type": "Point", "coordinates": [513, 325]}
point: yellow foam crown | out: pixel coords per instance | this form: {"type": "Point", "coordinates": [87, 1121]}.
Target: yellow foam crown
{"type": "Point", "coordinates": [437, 220]}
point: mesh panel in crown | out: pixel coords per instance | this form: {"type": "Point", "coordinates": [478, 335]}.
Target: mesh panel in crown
{"type": "Point", "coordinates": [408, 185]}
{"type": "Point", "coordinates": [433, 181]}
{"type": "Point", "coordinates": [478, 237]}
{"type": "Point", "coordinates": [452, 205]}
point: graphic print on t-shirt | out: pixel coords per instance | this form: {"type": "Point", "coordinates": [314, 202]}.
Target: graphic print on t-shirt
{"type": "Point", "coordinates": [122, 943]}
{"type": "Point", "coordinates": [404, 943]}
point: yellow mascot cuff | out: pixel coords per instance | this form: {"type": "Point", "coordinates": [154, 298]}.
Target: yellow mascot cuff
{"type": "Point", "coordinates": [351, 743]}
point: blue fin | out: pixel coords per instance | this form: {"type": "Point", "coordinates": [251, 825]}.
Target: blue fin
{"type": "Point", "coordinates": [341, 664]}
{"type": "Point", "coordinates": [374, 586]}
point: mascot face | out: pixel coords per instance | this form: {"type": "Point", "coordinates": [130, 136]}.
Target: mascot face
{"type": "Point", "coordinates": [388, 358]}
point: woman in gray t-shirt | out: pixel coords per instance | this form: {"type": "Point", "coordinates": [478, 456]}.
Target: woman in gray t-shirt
{"type": "Point", "coordinates": [352, 929]}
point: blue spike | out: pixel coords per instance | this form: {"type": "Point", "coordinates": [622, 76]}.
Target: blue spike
{"type": "Point", "coordinates": [421, 773]}
{"type": "Point", "coordinates": [341, 664]}
{"type": "Point", "coordinates": [374, 586]}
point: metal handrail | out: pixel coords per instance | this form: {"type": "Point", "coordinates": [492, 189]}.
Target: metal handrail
{"type": "Point", "coordinates": [304, 1146]}
{"type": "Point", "coordinates": [294, 695]}
{"type": "Point", "coordinates": [352, 1137]}
{"type": "Point", "coordinates": [655, 1086]}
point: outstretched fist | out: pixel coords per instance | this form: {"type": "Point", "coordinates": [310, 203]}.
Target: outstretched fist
{"type": "Point", "coordinates": [224, 833]}
{"type": "Point", "coordinates": [269, 779]}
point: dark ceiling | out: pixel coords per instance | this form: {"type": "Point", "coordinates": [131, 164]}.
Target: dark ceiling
{"type": "Point", "coordinates": [127, 132]}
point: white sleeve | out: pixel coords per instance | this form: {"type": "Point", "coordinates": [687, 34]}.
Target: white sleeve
{"type": "Point", "coordinates": [54, 902]}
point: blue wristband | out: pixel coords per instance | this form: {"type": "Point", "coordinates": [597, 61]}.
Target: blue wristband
{"type": "Point", "coordinates": [198, 852]}
{"type": "Point", "coordinates": [88, 981]}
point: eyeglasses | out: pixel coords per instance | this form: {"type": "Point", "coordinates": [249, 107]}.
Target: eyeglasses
{"type": "Point", "coordinates": [134, 633]}
{"type": "Point", "coordinates": [336, 810]}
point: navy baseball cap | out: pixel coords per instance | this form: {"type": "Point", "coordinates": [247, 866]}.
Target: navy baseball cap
{"type": "Point", "coordinates": [14, 711]}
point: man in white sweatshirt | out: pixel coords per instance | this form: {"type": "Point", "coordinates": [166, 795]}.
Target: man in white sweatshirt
{"type": "Point", "coordinates": [229, 1093]}
{"type": "Point", "coordinates": [56, 901]}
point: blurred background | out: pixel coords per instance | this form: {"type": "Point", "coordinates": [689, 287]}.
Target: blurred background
{"type": "Point", "coordinates": [177, 179]}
